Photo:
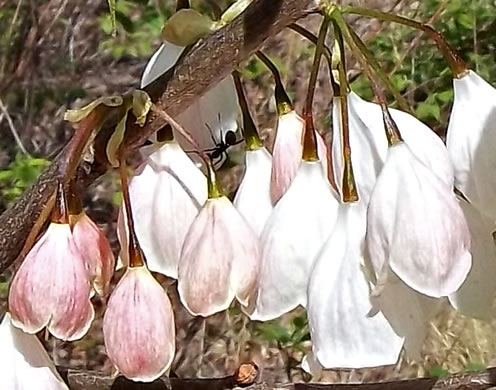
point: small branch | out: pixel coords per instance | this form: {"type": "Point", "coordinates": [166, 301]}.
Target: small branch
{"type": "Point", "coordinates": [13, 130]}
{"type": "Point", "coordinates": [86, 380]}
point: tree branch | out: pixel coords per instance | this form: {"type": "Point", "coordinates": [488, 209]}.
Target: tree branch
{"type": "Point", "coordinates": [207, 63]}
{"type": "Point", "coordinates": [84, 380]}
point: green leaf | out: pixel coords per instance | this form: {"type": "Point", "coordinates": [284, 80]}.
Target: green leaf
{"type": "Point", "coordinates": [427, 111]}
{"type": "Point", "coordinates": [438, 371]}
{"type": "Point", "coordinates": [474, 367]}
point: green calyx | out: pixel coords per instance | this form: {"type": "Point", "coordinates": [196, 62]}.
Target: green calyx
{"type": "Point", "coordinates": [214, 187]}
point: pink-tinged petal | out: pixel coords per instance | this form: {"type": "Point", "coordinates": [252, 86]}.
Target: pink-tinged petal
{"type": "Point", "coordinates": [295, 232]}
{"type": "Point", "coordinates": [220, 260]}
{"type": "Point", "coordinates": [416, 226]}
{"type": "Point", "coordinates": [471, 141]}
{"type": "Point", "coordinates": [476, 295]}
{"type": "Point", "coordinates": [407, 311]}
{"type": "Point", "coordinates": [166, 195]}
{"type": "Point", "coordinates": [253, 197]}
{"type": "Point", "coordinates": [344, 332]}
{"type": "Point", "coordinates": [96, 252]}
{"type": "Point", "coordinates": [369, 144]}
{"type": "Point", "coordinates": [51, 287]}
{"type": "Point", "coordinates": [138, 327]}
{"type": "Point", "coordinates": [24, 363]}
{"type": "Point", "coordinates": [286, 155]}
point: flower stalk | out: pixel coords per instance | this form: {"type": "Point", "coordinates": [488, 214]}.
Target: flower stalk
{"type": "Point", "coordinates": [456, 64]}
{"type": "Point", "coordinates": [349, 189]}
{"type": "Point", "coordinates": [249, 129]}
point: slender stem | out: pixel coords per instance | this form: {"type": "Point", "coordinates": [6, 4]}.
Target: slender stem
{"type": "Point", "coordinates": [74, 204]}
{"type": "Point", "coordinates": [309, 139]}
{"type": "Point", "coordinates": [283, 102]}
{"type": "Point", "coordinates": [180, 129]}
{"type": "Point", "coordinates": [392, 132]}
{"type": "Point", "coordinates": [214, 187]}
{"type": "Point", "coordinates": [136, 257]}
{"type": "Point", "coordinates": [327, 52]}
{"type": "Point", "coordinates": [348, 185]}
{"type": "Point", "coordinates": [60, 213]}
{"type": "Point", "coordinates": [457, 65]}
{"type": "Point", "coordinates": [249, 129]}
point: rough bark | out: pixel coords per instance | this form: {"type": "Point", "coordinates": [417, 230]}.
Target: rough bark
{"type": "Point", "coordinates": [84, 380]}
{"type": "Point", "coordinates": [207, 63]}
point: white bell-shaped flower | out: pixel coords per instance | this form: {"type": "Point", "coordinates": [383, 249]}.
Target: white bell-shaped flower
{"type": "Point", "coordinates": [471, 141]}
{"type": "Point", "coordinates": [24, 363]}
{"type": "Point", "coordinates": [343, 332]}
{"type": "Point", "coordinates": [369, 144]}
{"type": "Point", "coordinates": [416, 226]}
{"type": "Point", "coordinates": [166, 193]}
{"type": "Point", "coordinates": [253, 197]}
{"type": "Point", "coordinates": [476, 295]}
{"type": "Point", "coordinates": [296, 230]}
{"type": "Point", "coordinates": [286, 154]}
{"type": "Point", "coordinates": [220, 258]}
{"type": "Point", "coordinates": [217, 111]}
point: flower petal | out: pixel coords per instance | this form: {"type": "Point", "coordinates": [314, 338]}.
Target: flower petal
{"type": "Point", "coordinates": [138, 327]}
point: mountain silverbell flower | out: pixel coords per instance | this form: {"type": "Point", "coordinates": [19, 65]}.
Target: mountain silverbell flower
{"type": "Point", "coordinates": [294, 233]}
{"type": "Point", "coordinates": [471, 140]}
{"type": "Point", "coordinates": [344, 334]}
{"type": "Point", "coordinates": [416, 226]}
{"type": "Point", "coordinates": [51, 288]}
{"type": "Point", "coordinates": [167, 193]}
{"type": "Point", "coordinates": [212, 114]}
{"type": "Point", "coordinates": [138, 325]}
{"type": "Point", "coordinates": [476, 295]}
{"type": "Point", "coordinates": [220, 258]}
{"type": "Point", "coordinates": [91, 242]}
{"type": "Point", "coordinates": [253, 196]}
{"type": "Point", "coordinates": [24, 363]}
{"type": "Point", "coordinates": [369, 143]}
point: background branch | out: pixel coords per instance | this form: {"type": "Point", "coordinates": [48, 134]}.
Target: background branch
{"type": "Point", "coordinates": [84, 380]}
{"type": "Point", "coordinates": [207, 63]}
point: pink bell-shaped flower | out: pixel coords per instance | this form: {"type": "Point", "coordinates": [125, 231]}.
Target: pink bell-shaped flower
{"type": "Point", "coordinates": [91, 243]}
{"type": "Point", "coordinates": [416, 226]}
{"type": "Point", "coordinates": [217, 111]}
{"type": "Point", "coordinates": [51, 288]}
{"type": "Point", "coordinates": [166, 193]}
{"type": "Point", "coordinates": [220, 258]}
{"type": "Point", "coordinates": [24, 363]}
{"type": "Point", "coordinates": [286, 155]}
{"type": "Point", "coordinates": [296, 230]}
{"type": "Point", "coordinates": [138, 326]}
{"type": "Point", "coordinates": [343, 331]}
{"type": "Point", "coordinates": [471, 141]}
{"type": "Point", "coordinates": [476, 295]}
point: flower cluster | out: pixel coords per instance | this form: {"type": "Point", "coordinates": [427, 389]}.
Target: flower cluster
{"type": "Point", "coordinates": [369, 234]}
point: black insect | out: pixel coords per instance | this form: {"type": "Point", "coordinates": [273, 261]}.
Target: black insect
{"type": "Point", "coordinates": [220, 149]}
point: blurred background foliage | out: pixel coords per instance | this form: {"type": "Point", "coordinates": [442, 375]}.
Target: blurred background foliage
{"type": "Point", "coordinates": [56, 54]}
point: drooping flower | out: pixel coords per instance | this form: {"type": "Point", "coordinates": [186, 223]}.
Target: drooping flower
{"type": "Point", "coordinates": [211, 115]}
{"type": "Point", "coordinates": [344, 332]}
{"type": "Point", "coordinates": [92, 244]}
{"type": "Point", "coordinates": [471, 140]}
{"type": "Point", "coordinates": [24, 363]}
{"type": "Point", "coordinates": [369, 143]}
{"type": "Point", "coordinates": [286, 155]}
{"type": "Point", "coordinates": [476, 295]}
{"type": "Point", "coordinates": [416, 227]}
{"type": "Point", "coordinates": [220, 258]}
{"type": "Point", "coordinates": [51, 288]}
{"type": "Point", "coordinates": [167, 193]}
{"type": "Point", "coordinates": [296, 230]}
{"type": "Point", "coordinates": [138, 326]}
